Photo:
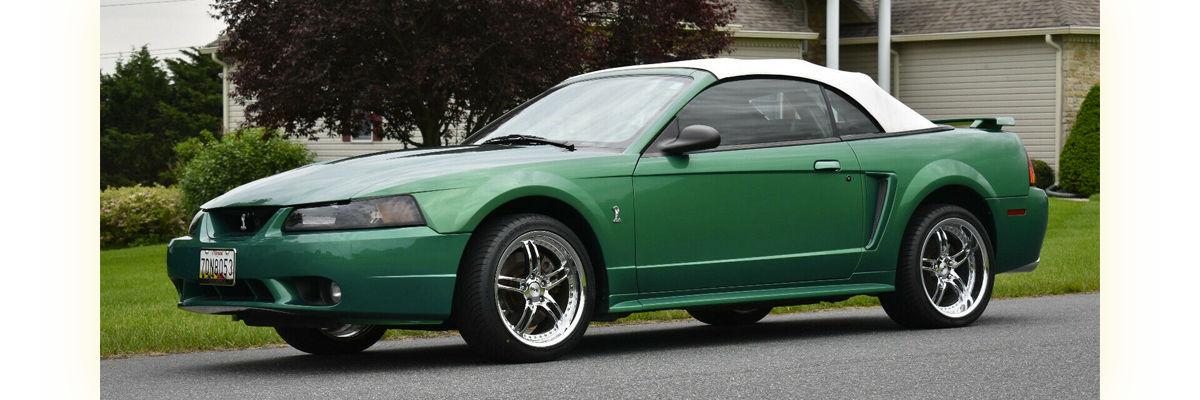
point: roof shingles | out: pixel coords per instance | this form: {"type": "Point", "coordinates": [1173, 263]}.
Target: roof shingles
{"type": "Point", "coordinates": [938, 16]}
{"type": "Point", "coordinates": [767, 15]}
{"type": "Point", "coordinates": [923, 16]}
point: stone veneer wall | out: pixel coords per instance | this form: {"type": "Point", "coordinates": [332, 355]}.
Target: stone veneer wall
{"type": "Point", "coordinates": [1081, 70]}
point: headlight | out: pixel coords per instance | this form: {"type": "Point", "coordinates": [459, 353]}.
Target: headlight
{"type": "Point", "coordinates": [378, 212]}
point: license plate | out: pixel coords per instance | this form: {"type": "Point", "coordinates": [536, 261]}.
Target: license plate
{"type": "Point", "coordinates": [218, 267]}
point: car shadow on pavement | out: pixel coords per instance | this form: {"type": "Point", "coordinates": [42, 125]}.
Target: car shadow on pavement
{"type": "Point", "coordinates": [423, 357]}
{"type": "Point", "coordinates": [696, 335]}
{"type": "Point", "coordinates": [450, 353]}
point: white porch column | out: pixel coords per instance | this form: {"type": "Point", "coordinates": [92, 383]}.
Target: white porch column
{"type": "Point", "coordinates": [832, 33]}
{"type": "Point", "coordinates": [885, 46]}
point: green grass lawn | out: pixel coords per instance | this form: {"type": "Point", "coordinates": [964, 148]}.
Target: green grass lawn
{"type": "Point", "coordinates": [138, 314]}
{"type": "Point", "coordinates": [1070, 255]}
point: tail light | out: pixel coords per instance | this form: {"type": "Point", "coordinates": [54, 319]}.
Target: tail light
{"type": "Point", "coordinates": [1032, 178]}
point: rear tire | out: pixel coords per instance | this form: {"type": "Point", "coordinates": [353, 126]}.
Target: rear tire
{"type": "Point", "coordinates": [345, 339]}
{"type": "Point", "coordinates": [730, 317]}
{"type": "Point", "coordinates": [943, 277]}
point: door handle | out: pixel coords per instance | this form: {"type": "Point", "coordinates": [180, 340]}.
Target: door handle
{"type": "Point", "coordinates": [827, 165]}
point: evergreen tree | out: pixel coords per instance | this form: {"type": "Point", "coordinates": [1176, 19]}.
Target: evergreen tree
{"type": "Point", "coordinates": [1080, 171]}
{"type": "Point", "coordinates": [145, 110]}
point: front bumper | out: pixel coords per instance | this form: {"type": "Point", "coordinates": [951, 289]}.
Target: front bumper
{"type": "Point", "coordinates": [390, 276]}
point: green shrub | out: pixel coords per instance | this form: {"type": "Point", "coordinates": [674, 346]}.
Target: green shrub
{"type": "Point", "coordinates": [139, 215]}
{"type": "Point", "coordinates": [213, 166]}
{"type": "Point", "coordinates": [1043, 174]}
{"type": "Point", "coordinates": [1080, 170]}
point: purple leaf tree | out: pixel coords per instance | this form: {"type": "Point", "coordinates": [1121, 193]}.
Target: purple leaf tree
{"type": "Point", "coordinates": [431, 68]}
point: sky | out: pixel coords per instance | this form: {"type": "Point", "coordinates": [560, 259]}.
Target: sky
{"type": "Point", "coordinates": [160, 24]}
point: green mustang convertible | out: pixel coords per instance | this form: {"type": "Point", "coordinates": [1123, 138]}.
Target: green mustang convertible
{"type": "Point", "coordinates": [721, 187]}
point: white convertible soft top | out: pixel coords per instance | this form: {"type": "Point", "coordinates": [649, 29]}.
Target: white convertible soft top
{"type": "Point", "coordinates": [893, 115]}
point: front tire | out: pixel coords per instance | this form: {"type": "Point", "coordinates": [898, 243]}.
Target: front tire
{"type": "Point", "coordinates": [524, 290]}
{"type": "Point", "coordinates": [944, 277]}
{"type": "Point", "coordinates": [345, 339]}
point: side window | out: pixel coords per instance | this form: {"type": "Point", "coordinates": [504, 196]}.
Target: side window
{"type": "Point", "coordinates": [755, 111]}
{"type": "Point", "coordinates": [849, 118]}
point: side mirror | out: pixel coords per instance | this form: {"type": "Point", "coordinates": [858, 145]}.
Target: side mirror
{"type": "Point", "coordinates": [693, 138]}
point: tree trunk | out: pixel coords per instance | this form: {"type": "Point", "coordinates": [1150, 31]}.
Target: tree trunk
{"type": "Point", "coordinates": [431, 136]}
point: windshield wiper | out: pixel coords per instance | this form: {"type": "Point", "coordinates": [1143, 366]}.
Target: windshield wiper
{"type": "Point", "coordinates": [527, 139]}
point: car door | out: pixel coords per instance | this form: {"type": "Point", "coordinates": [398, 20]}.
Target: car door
{"type": "Point", "coordinates": [779, 201]}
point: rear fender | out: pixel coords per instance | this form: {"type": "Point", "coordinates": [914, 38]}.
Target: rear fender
{"type": "Point", "coordinates": [936, 175]}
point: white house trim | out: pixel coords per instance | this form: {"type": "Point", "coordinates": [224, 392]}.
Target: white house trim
{"type": "Point", "coordinates": [1058, 97]}
{"type": "Point", "coordinates": [212, 51]}
{"type": "Point", "coordinates": [1062, 30]}
{"type": "Point", "coordinates": [775, 35]}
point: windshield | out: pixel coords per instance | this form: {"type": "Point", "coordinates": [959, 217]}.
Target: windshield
{"type": "Point", "coordinates": [607, 112]}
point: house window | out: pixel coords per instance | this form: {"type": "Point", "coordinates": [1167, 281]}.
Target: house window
{"type": "Point", "coordinates": [366, 130]}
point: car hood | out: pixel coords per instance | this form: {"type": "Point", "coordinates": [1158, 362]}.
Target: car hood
{"type": "Point", "coordinates": [361, 176]}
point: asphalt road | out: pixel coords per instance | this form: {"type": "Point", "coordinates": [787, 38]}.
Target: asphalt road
{"type": "Point", "coordinates": [1045, 347]}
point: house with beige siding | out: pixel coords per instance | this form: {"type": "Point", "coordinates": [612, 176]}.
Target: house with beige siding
{"type": "Point", "coordinates": [1033, 60]}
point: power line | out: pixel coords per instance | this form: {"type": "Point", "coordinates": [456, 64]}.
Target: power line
{"type": "Point", "coordinates": [149, 50]}
{"type": "Point", "coordinates": [153, 52]}
{"type": "Point", "coordinates": [167, 55]}
{"type": "Point", "coordinates": [143, 3]}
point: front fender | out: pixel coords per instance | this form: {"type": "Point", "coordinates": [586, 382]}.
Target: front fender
{"type": "Point", "coordinates": [464, 213]}
{"type": "Point", "coordinates": [462, 210]}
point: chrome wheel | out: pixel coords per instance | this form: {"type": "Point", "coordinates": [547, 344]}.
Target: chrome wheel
{"type": "Point", "coordinates": [538, 289]}
{"type": "Point", "coordinates": [346, 331]}
{"type": "Point", "coordinates": [943, 272]}
{"type": "Point", "coordinates": [343, 339]}
{"type": "Point", "coordinates": [523, 292]}
{"type": "Point", "coordinates": [954, 267]}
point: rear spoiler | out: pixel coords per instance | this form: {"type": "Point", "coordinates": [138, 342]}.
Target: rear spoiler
{"type": "Point", "coordinates": [993, 124]}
